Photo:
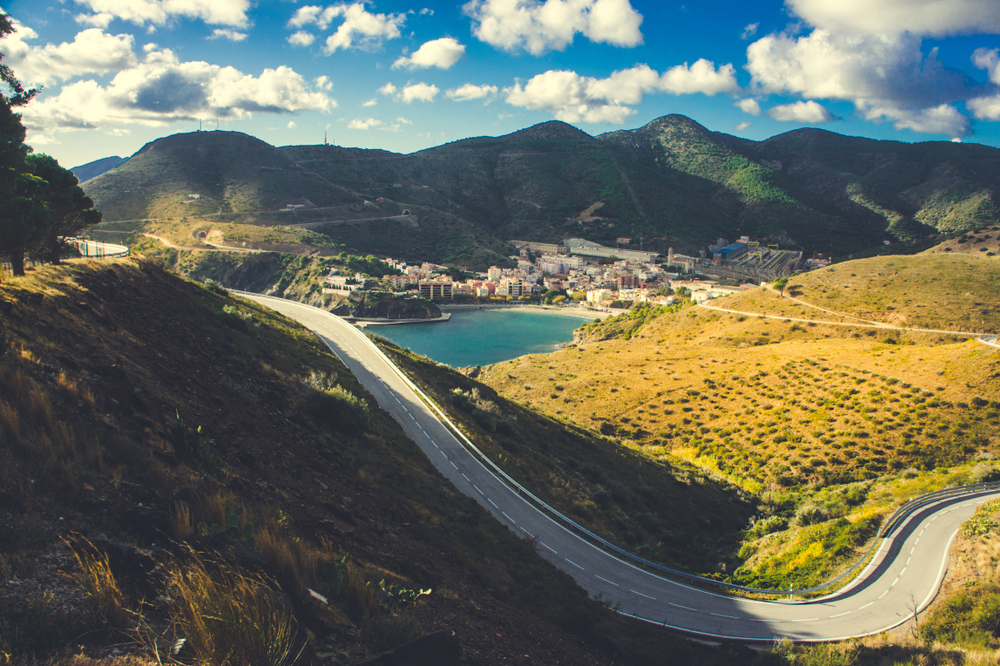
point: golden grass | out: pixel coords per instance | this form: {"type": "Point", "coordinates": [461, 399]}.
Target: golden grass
{"type": "Point", "coordinates": [180, 521]}
{"type": "Point", "coordinates": [361, 602]}
{"type": "Point", "coordinates": [95, 576]}
{"type": "Point", "coordinates": [229, 616]}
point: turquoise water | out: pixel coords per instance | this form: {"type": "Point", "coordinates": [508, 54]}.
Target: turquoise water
{"type": "Point", "coordinates": [481, 337]}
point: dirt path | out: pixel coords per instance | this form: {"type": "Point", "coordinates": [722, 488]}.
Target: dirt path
{"type": "Point", "coordinates": [208, 247]}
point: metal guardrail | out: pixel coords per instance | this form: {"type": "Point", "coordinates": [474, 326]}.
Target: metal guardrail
{"type": "Point", "coordinates": [97, 249]}
{"type": "Point", "coordinates": [894, 521]}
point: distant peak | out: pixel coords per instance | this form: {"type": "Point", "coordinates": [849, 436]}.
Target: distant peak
{"type": "Point", "coordinates": [553, 129]}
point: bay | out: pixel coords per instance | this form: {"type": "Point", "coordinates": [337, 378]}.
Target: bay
{"type": "Point", "coordinates": [482, 337]}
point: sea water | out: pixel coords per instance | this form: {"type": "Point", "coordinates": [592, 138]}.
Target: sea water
{"type": "Point", "coordinates": [481, 337]}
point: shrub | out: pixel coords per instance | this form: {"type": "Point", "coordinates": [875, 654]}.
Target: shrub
{"type": "Point", "coordinates": [337, 409]}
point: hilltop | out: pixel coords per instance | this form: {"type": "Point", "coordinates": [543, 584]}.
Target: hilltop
{"type": "Point", "coordinates": [672, 183]}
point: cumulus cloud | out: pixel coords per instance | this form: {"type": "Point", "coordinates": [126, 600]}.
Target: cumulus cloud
{"type": "Point", "coordinates": [750, 31]}
{"type": "Point", "coordinates": [228, 33]}
{"type": "Point", "coordinates": [749, 105]}
{"type": "Point", "coordinates": [371, 102]}
{"type": "Point", "coordinates": [942, 119]}
{"type": "Point", "coordinates": [441, 53]}
{"type": "Point", "coordinates": [894, 17]}
{"type": "Point", "coordinates": [359, 29]}
{"type": "Point", "coordinates": [985, 108]}
{"type": "Point", "coordinates": [887, 73]}
{"type": "Point", "coordinates": [742, 126]}
{"type": "Point", "coordinates": [469, 92]}
{"type": "Point", "coordinates": [989, 60]}
{"type": "Point", "coordinates": [800, 112]}
{"type": "Point", "coordinates": [323, 83]}
{"type": "Point", "coordinates": [574, 98]}
{"type": "Point", "coordinates": [94, 20]}
{"type": "Point", "coordinates": [701, 77]}
{"type": "Point", "coordinates": [364, 123]}
{"type": "Point", "coordinates": [163, 90]}
{"type": "Point", "coordinates": [388, 89]}
{"type": "Point", "coordinates": [538, 27]}
{"type": "Point", "coordinates": [232, 13]}
{"type": "Point", "coordinates": [419, 92]}
{"type": "Point", "coordinates": [92, 51]}
{"type": "Point", "coordinates": [301, 38]}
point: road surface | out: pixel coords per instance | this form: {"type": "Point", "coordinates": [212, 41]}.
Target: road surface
{"type": "Point", "coordinates": [903, 576]}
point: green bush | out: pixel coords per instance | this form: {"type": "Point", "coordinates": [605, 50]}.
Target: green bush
{"type": "Point", "coordinates": [337, 409]}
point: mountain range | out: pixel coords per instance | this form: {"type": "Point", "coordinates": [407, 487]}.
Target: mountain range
{"type": "Point", "coordinates": [671, 182]}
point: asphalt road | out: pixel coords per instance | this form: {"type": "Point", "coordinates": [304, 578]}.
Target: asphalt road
{"type": "Point", "coordinates": [903, 576]}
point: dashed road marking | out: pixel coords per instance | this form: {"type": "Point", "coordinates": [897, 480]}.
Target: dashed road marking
{"type": "Point", "coordinates": [670, 603]}
{"type": "Point", "coordinates": [894, 582]}
{"type": "Point", "coordinates": [840, 614]}
{"type": "Point", "coordinates": [731, 617]}
{"type": "Point", "coordinates": [492, 502]}
{"type": "Point", "coordinates": [466, 478]}
{"type": "Point", "coordinates": [810, 619]}
{"type": "Point", "coordinates": [508, 517]}
{"type": "Point", "coordinates": [904, 568]}
{"type": "Point", "coordinates": [477, 489]}
{"type": "Point", "coordinates": [574, 564]}
{"type": "Point", "coordinates": [607, 581]}
{"type": "Point", "coordinates": [866, 605]}
{"type": "Point", "coordinates": [642, 595]}
{"type": "Point", "coordinates": [528, 533]}
{"type": "Point", "coordinates": [549, 547]}
{"type": "Point", "coordinates": [883, 594]}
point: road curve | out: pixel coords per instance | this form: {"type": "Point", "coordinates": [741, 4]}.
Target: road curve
{"type": "Point", "coordinates": [901, 579]}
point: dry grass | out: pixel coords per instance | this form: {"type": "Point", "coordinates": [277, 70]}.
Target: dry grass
{"type": "Point", "coordinates": [361, 602]}
{"type": "Point", "coordinates": [230, 617]}
{"type": "Point", "coordinates": [180, 521]}
{"type": "Point", "coordinates": [95, 576]}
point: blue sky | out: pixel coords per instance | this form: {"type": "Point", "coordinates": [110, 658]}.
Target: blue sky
{"type": "Point", "coordinates": [405, 76]}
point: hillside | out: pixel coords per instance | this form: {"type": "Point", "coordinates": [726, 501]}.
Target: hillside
{"type": "Point", "coordinates": [170, 433]}
{"type": "Point", "coordinates": [94, 169]}
{"type": "Point", "coordinates": [828, 425]}
{"type": "Point", "coordinates": [671, 183]}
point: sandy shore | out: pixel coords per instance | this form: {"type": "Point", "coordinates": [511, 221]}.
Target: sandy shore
{"type": "Point", "coordinates": [549, 309]}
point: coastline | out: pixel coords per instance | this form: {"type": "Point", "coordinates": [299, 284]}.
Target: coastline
{"type": "Point", "coordinates": [580, 313]}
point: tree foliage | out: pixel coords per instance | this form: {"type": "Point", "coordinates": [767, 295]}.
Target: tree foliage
{"type": "Point", "coordinates": [41, 203]}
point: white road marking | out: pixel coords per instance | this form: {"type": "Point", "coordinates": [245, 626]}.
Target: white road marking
{"type": "Point", "coordinates": [811, 619]}
{"type": "Point", "coordinates": [731, 617]}
{"type": "Point", "coordinates": [528, 533]}
{"type": "Point", "coordinates": [607, 581]}
{"type": "Point", "coordinates": [904, 568]}
{"type": "Point", "coordinates": [866, 605]}
{"type": "Point", "coordinates": [467, 478]}
{"type": "Point", "coordinates": [508, 517]}
{"type": "Point", "coordinates": [642, 595]}
{"type": "Point", "coordinates": [574, 564]}
{"type": "Point", "coordinates": [684, 607]}
{"type": "Point", "coordinates": [894, 582]}
{"type": "Point", "coordinates": [492, 502]}
{"type": "Point", "coordinates": [477, 489]}
{"type": "Point", "coordinates": [549, 547]}
{"type": "Point", "coordinates": [840, 614]}
{"type": "Point", "coordinates": [883, 594]}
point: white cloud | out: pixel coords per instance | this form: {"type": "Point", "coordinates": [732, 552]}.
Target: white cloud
{"type": "Point", "coordinates": [404, 121]}
{"type": "Point", "coordinates": [985, 108]}
{"type": "Point", "coordinates": [95, 20]}
{"type": "Point", "coordinates": [323, 83]}
{"type": "Point", "coordinates": [161, 12]}
{"type": "Point", "coordinates": [894, 17]}
{"type": "Point", "coordinates": [749, 105]}
{"type": "Point", "coordinates": [701, 77]}
{"type": "Point", "coordinates": [419, 92]}
{"type": "Point", "coordinates": [942, 119]}
{"type": "Point", "coordinates": [371, 102]}
{"type": "Point", "coordinates": [537, 27]}
{"type": "Point", "coordinates": [750, 31]}
{"type": "Point", "coordinates": [291, 124]}
{"type": "Point", "coordinates": [885, 77]}
{"type": "Point", "coordinates": [387, 89]}
{"type": "Point", "coordinates": [574, 98]}
{"type": "Point", "coordinates": [800, 112]}
{"type": "Point", "coordinates": [227, 33]}
{"type": "Point", "coordinates": [163, 90]}
{"type": "Point", "coordinates": [989, 60]}
{"type": "Point", "coordinates": [469, 91]}
{"type": "Point", "coordinates": [441, 53]}
{"type": "Point", "coordinates": [364, 123]}
{"type": "Point", "coordinates": [359, 29]}
{"type": "Point", "coordinates": [92, 51]}
{"type": "Point", "coordinates": [301, 38]}
{"type": "Point", "coordinates": [742, 126]}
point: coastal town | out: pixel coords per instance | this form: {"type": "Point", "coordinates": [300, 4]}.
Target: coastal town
{"type": "Point", "coordinates": [590, 275]}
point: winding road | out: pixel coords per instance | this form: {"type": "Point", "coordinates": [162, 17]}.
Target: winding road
{"type": "Point", "coordinates": [901, 579]}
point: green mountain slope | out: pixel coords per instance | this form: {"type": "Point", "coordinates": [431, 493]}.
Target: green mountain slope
{"type": "Point", "coordinates": [671, 183]}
